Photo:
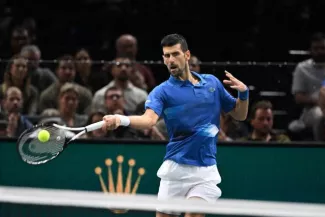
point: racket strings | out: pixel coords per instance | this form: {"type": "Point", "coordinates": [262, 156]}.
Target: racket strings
{"type": "Point", "coordinates": [35, 151]}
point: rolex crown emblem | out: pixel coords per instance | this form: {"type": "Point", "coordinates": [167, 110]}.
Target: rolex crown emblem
{"type": "Point", "coordinates": [119, 188]}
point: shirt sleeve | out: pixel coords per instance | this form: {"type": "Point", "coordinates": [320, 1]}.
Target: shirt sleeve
{"type": "Point", "coordinates": [298, 82]}
{"type": "Point", "coordinates": [155, 100]}
{"type": "Point", "coordinates": [227, 101]}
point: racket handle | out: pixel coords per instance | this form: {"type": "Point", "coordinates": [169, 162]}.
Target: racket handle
{"type": "Point", "coordinates": [94, 126]}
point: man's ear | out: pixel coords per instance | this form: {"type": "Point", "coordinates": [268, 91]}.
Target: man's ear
{"type": "Point", "coordinates": [188, 55]}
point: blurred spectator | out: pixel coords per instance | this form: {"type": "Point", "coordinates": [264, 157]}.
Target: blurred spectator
{"type": "Point", "coordinates": [94, 117]}
{"type": "Point", "coordinates": [261, 119]}
{"type": "Point", "coordinates": [230, 129]}
{"type": "Point", "coordinates": [19, 38]}
{"type": "Point", "coordinates": [114, 101]}
{"type": "Point", "coordinates": [319, 127]}
{"type": "Point", "coordinates": [30, 24]}
{"type": "Point", "coordinates": [41, 78]}
{"type": "Point", "coordinates": [16, 74]}
{"type": "Point", "coordinates": [12, 105]}
{"type": "Point", "coordinates": [52, 116]}
{"type": "Point", "coordinates": [158, 132]}
{"type": "Point", "coordinates": [195, 64]}
{"type": "Point", "coordinates": [127, 46]}
{"type": "Point", "coordinates": [307, 80]}
{"type": "Point", "coordinates": [68, 104]}
{"type": "Point", "coordinates": [66, 73]}
{"type": "Point", "coordinates": [85, 76]}
{"type": "Point", "coordinates": [115, 104]}
{"type": "Point", "coordinates": [121, 70]}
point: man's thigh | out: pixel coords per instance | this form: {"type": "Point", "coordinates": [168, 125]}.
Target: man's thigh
{"type": "Point", "coordinates": [168, 190]}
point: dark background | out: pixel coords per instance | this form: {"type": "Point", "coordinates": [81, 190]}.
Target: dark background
{"type": "Point", "coordinates": [215, 30]}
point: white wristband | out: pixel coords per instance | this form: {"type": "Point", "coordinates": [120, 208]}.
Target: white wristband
{"type": "Point", "coordinates": [125, 121]}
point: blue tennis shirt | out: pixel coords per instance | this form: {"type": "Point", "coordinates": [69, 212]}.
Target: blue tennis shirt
{"type": "Point", "coordinates": [192, 117]}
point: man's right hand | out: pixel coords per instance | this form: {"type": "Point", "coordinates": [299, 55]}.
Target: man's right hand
{"type": "Point", "coordinates": [111, 122]}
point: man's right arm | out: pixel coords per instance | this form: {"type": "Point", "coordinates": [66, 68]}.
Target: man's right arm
{"type": "Point", "coordinates": [145, 121]}
{"type": "Point", "coordinates": [305, 99]}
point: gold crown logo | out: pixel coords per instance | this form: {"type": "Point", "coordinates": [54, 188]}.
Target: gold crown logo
{"type": "Point", "coordinates": [119, 188]}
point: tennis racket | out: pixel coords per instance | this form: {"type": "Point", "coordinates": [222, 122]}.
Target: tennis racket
{"type": "Point", "coordinates": [35, 152]}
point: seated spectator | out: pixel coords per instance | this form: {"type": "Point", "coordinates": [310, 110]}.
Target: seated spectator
{"type": "Point", "coordinates": [319, 127]}
{"type": "Point", "coordinates": [115, 104]}
{"type": "Point", "coordinates": [121, 70]}
{"type": "Point", "coordinates": [19, 38]}
{"type": "Point", "coordinates": [94, 117]}
{"type": "Point", "coordinates": [51, 116]}
{"type": "Point", "coordinates": [41, 78]}
{"type": "Point", "coordinates": [158, 132]}
{"type": "Point", "coordinates": [307, 79]}
{"type": "Point", "coordinates": [65, 73]}
{"type": "Point", "coordinates": [16, 75]}
{"type": "Point", "coordinates": [85, 76]}
{"type": "Point", "coordinates": [67, 106]}
{"type": "Point", "coordinates": [195, 64]}
{"type": "Point", "coordinates": [12, 118]}
{"type": "Point", "coordinates": [261, 119]}
{"type": "Point", "coordinates": [231, 129]}
{"type": "Point", "coordinates": [127, 46]}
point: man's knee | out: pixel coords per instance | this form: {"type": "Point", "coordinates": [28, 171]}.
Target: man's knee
{"type": "Point", "coordinates": [195, 214]}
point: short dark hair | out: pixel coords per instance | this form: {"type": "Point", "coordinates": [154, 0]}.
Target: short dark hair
{"type": "Point", "coordinates": [318, 36]}
{"type": "Point", "coordinates": [113, 88]}
{"type": "Point", "coordinates": [264, 104]}
{"type": "Point", "coordinates": [65, 58]}
{"type": "Point", "coordinates": [173, 39]}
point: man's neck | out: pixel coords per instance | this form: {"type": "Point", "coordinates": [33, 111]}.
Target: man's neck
{"type": "Point", "coordinates": [84, 74]}
{"type": "Point", "coordinates": [18, 83]}
{"type": "Point", "coordinates": [261, 136]}
{"type": "Point", "coordinates": [121, 84]}
{"type": "Point", "coordinates": [68, 118]}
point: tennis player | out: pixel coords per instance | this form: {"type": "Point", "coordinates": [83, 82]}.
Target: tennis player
{"type": "Point", "coordinates": [190, 104]}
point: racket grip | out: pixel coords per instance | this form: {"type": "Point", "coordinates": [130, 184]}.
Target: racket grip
{"type": "Point", "coordinates": [94, 126]}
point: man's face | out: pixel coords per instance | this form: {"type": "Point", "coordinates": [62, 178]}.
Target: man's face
{"type": "Point", "coordinates": [114, 100]}
{"type": "Point", "coordinates": [83, 60]}
{"type": "Point", "coordinates": [127, 48]}
{"type": "Point", "coordinates": [66, 71]}
{"type": "Point", "coordinates": [19, 68]}
{"type": "Point", "coordinates": [122, 69]}
{"type": "Point", "coordinates": [175, 59]}
{"type": "Point", "coordinates": [194, 64]}
{"type": "Point", "coordinates": [33, 59]}
{"type": "Point", "coordinates": [19, 38]}
{"type": "Point", "coordinates": [69, 102]}
{"type": "Point", "coordinates": [318, 51]}
{"type": "Point", "coordinates": [263, 121]}
{"type": "Point", "coordinates": [13, 102]}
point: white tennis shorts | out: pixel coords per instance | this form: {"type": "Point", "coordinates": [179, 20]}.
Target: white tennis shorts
{"type": "Point", "coordinates": [179, 180]}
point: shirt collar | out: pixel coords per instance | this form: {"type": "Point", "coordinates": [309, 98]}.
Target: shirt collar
{"type": "Point", "coordinates": [178, 82]}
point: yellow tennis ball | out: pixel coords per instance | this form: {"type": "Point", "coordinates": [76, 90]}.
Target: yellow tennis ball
{"type": "Point", "coordinates": [43, 136]}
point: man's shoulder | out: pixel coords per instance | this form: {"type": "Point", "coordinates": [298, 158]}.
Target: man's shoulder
{"type": "Point", "coordinates": [211, 79]}
{"type": "Point", "coordinates": [83, 89]}
{"type": "Point", "coordinates": [308, 63]}
{"type": "Point", "coordinates": [138, 90]}
{"type": "Point", "coordinates": [50, 90]}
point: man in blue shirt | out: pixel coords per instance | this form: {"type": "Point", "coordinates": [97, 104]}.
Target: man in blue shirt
{"type": "Point", "coordinates": [190, 104]}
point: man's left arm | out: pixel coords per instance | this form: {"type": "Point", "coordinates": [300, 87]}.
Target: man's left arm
{"type": "Point", "coordinates": [240, 111]}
